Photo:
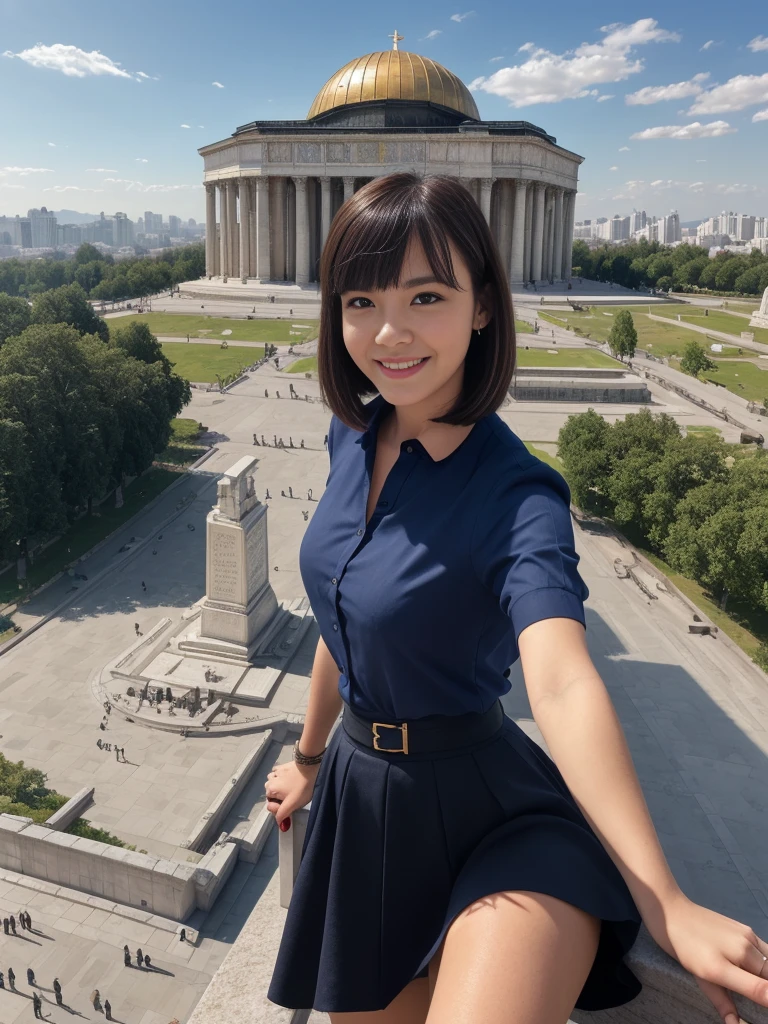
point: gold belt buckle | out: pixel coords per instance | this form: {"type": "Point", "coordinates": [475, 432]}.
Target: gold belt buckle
{"type": "Point", "coordinates": [387, 750]}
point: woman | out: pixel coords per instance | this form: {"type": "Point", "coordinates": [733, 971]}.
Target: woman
{"type": "Point", "coordinates": [452, 872]}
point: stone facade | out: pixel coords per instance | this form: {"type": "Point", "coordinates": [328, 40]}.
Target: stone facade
{"type": "Point", "coordinates": [271, 198]}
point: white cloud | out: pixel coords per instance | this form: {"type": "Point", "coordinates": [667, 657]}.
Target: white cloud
{"type": "Point", "coordinates": [137, 186]}
{"type": "Point", "coordinates": [102, 170]}
{"type": "Point", "coordinates": [735, 189]}
{"type": "Point", "coordinates": [70, 61]}
{"type": "Point", "coordinates": [658, 93]}
{"type": "Point", "coordinates": [184, 126]}
{"type": "Point", "coordinates": [8, 184]}
{"type": "Point", "coordinates": [461, 17]}
{"type": "Point", "coordinates": [701, 161]}
{"type": "Point", "coordinates": [761, 115]}
{"type": "Point", "coordinates": [71, 188]}
{"type": "Point", "coordinates": [696, 130]}
{"type": "Point", "coordinates": [52, 144]}
{"type": "Point", "coordinates": [758, 43]}
{"type": "Point", "coordinates": [706, 46]}
{"type": "Point", "coordinates": [614, 168]}
{"type": "Point", "coordinates": [23, 171]}
{"type": "Point", "coordinates": [218, 85]}
{"type": "Point", "coordinates": [141, 160]}
{"type": "Point", "coordinates": [604, 97]}
{"type": "Point", "coordinates": [696, 184]}
{"type": "Point", "coordinates": [492, 60]}
{"type": "Point", "coordinates": [201, 126]}
{"type": "Point", "coordinates": [547, 77]}
{"type": "Point", "coordinates": [624, 149]}
{"type": "Point", "coordinates": [735, 94]}
{"type": "Point", "coordinates": [434, 33]}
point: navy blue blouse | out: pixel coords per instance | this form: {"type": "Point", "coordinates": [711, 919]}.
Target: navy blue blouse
{"type": "Point", "coordinates": [422, 608]}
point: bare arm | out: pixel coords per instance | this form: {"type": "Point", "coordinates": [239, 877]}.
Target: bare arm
{"type": "Point", "coordinates": [574, 711]}
{"type": "Point", "coordinates": [324, 702]}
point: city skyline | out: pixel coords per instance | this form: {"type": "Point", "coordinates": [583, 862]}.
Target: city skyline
{"type": "Point", "coordinates": [116, 119]}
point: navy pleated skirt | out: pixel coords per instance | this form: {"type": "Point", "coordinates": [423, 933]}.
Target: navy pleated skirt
{"type": "Point", "coordinates": [397, 845]}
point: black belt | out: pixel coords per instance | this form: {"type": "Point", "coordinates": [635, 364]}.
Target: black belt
{"type": "Point", "coordinates": [423, 735]}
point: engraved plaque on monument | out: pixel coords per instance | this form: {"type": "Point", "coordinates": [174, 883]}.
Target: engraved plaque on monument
{"type": "Point", "coordinates": [760, 316]}
{"type": "Point", "coordinates": [239, 603]}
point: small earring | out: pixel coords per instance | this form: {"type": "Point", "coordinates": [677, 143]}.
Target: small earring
{"type": "Point", "coordinates": [478, 331]}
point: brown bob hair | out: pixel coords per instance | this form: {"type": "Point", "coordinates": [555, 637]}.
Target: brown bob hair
{"type": "Point", "coordinates": [365, 250]}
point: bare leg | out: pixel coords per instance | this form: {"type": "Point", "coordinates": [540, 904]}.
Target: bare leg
{"type": "Point", "coordinates": [409, 1007]}
{"type": "Point", "coordinates": [512, 958]}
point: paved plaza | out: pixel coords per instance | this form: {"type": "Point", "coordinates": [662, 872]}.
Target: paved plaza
{"type": "Point", "coordinates": [695, 711]}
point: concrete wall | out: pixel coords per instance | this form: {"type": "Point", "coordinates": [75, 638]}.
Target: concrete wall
{"type": "Point", "coordinates": [135, 879]}
{"type": "Point", "coordinates": [541, 390]}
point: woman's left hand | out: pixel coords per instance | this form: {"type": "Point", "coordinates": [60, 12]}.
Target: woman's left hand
{"type": "Point", "coordinates": [722, 954]}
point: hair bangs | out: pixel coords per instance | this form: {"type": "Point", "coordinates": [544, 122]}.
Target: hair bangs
{"type": "Point", "coordinates": [371, 254]}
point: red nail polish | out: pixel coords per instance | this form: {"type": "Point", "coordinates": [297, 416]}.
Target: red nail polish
{"type": "Point", "coordinates": [285, 824]}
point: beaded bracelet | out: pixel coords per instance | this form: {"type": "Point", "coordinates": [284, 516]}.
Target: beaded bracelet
{"type": "Point", "coordinates": [300, 758]}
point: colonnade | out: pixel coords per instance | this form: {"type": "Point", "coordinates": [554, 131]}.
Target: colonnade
{"type": "Point", "coordinates": [273, 228]}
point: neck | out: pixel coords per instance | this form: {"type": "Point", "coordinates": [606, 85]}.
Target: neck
{"type": "Point", "coordinates": [414, 421]}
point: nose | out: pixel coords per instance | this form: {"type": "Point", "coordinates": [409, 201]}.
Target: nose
{"type": "Point", "coordinates": [389, 335]}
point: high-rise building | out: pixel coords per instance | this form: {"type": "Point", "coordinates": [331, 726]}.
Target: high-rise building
{"type": "Point", "coordinates": [43, 228]}
{"type": "Point", "coordinates": [174, 226]}
{"type": "Point", "coordinates": [669, 229]}
{"type": "Point", "coordinates": [122, 231]}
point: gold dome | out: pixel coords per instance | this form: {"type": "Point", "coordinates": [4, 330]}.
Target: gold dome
{"type": "Point", "coordinates": [394, 75]}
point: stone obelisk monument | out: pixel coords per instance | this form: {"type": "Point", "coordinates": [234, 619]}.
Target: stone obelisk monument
{"type": "Point", "coordinates": [240, 608]}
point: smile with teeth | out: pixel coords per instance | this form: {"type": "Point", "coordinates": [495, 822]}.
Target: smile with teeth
{"type": "Point", "coordinates": [402, 365]}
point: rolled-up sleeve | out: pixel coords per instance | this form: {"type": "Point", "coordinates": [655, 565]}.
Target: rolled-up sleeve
{"type": "Point", "coordinates": [523, 548]}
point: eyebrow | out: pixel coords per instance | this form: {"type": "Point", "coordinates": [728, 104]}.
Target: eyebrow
{"type": "Point", "coordinates": [421, 280]}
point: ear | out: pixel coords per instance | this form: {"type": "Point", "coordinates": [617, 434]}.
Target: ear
{"type": "Point", "coordinates": [483, 308]}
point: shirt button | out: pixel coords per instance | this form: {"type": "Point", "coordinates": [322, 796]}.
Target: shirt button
{"type": "Point", "coordinates": [333, 581]}
{"type": "Point", "coordinates": [335, 628]}
{"type": "Point", "coordinates": [359, 533]}
{"type": "Point", "coordinates": [409, 449]}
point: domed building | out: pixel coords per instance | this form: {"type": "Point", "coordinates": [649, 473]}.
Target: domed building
{"type": "Point", "coordinates": [273, 187]}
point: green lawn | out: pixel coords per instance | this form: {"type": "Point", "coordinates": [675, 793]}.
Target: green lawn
{"type": "Point", "coordinates": [659, 338]}
{"type": "Point", "coordinates": [715, 321]}
{"type": "Point", "coordinates": [182, 448]}
{"type": "Point", "coordinates": [85, 533]}
{"type": "Point", "coordinates": [586, 357]}
{"type": "Point", "coordinates": [551, 460]}
{"type": "Point", "coordinates": [201, 363]}
{"type": "Point", "coordinates": [307, 365]}
{"type": "Point", "coordinates": [523, 327]}
{"type": "Point", "coordinates": [179, 325]}
{"type": "Point", "coordinates": [742, 377]}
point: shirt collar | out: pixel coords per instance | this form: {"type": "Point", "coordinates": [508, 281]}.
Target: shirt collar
{"type": "Point", "coordinates": [377, 408]}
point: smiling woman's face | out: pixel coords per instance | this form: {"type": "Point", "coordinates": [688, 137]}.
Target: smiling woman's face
{"type": "Point", "coordinates": [419, 321]}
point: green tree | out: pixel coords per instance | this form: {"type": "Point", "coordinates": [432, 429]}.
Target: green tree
{"type": "Point", "coordinates": [695, 359]}
{"type": "Point", "coordinates": [15, 315]}
{"type": "Point", "coordinates": [87, 253]}
{"type": "Point", "coordinates": [582, 445]}
{"type": "Point", "coordinates": [137, 341]}
{"type": "Point", "coordinates": [69, 305]}
{"type": "Point", "coordinates": [623, 337]}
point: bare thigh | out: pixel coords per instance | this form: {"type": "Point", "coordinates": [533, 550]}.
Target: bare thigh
{"type": "Point", "coordinates": [409, 1007]}
{"type": "Point", "coordinates": [513, 958]}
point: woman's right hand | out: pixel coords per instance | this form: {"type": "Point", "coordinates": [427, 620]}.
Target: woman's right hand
{"type": "Point", "coordinates": [288, 787]}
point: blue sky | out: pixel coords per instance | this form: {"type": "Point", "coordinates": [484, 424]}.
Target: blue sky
{"type": "Point", "coordinates": [668, 103]}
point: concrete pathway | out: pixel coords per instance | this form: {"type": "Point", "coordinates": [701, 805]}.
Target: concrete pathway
{"type": "Point", "coordinates": [730, 339]}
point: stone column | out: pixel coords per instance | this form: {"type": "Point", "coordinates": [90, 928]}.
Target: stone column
{"type": "Point", "coordinates": [234, 233]}
{"type": "Point", "coordinates": [245, 230]}
{"type": "Point", "coordinates": [325, 208]}
{"type": "Point", "coordinates": [278, 234]}
{"type": "Point", "coordinates": [517, 268]}
{"type": "Point", "coordinates": [302, 231]}
{"type": "Point", "coordinates": [550, 240]}
{"type": "Point", "coordinates": [210, 230]}
{"type": "Point", "coordinates": [349, 186]}
{"type": "Point", "coordinates": [528, 257]}
{"type": "Point", "coordinates": [262, 230]}
{"type": "Point", "coordinates": [557, 271]}
{"type": "Point", "coordinates": [224, 228]}
{"type": "Point", "coordinates": [570, 216]}
{"type": "Point", "coordinates": [486, 185]}
{"type": "Point", "coordinates": [538, 230]}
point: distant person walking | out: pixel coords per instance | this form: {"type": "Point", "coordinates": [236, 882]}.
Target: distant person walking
{"type": "Point", "coordinates": [11, 978]}
{"type": "Point", "coordinates": [126, 956]}
{"type": "Point", "coordinates": [29, 921]}
{"type": "Point", "coordinates": [96, 999]}
{"type": "Point", "coordinates": [37, 1003]}
{"type": "Point", "coordinates": [139, 957]}
{"type": "Point", "coordinates": [30, 976]}
{"type": "Point", "coordinates": [57, 990]}
{"type": "Point", "coordinates": [12, 920]}
{"type": "Point", "coordinates": [6, 926]}
{"type": "Point", "coordinates": [108, 1010]}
